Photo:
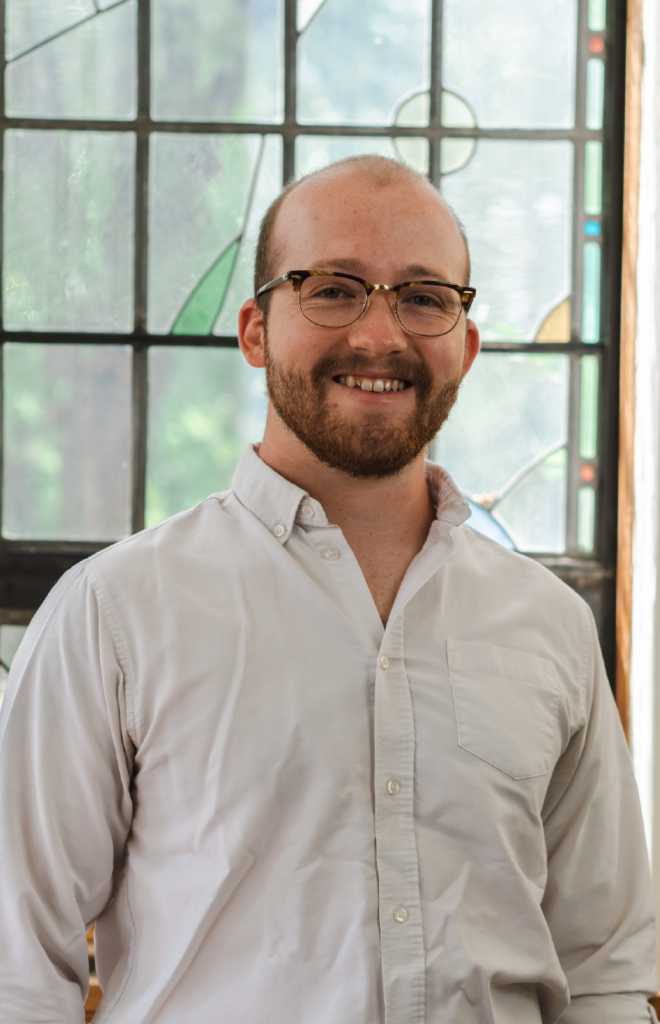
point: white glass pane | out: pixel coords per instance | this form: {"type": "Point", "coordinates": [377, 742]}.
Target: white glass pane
{"type": "Point", "coordinates": [534, 514]}
{"type": "Point", "coordinates": [217, 61]}
{"type": "Point", "coordinates": [67, 441]}
{"type": "Point", "coordinates": [28, 22]}
{"type": "Point", "coordinates": [89, 71]}
{"type": "Point", "coordinates": [511, 412]}
{"type": "Point", "coordinates": [316, 151]}
{"type": "Point", "coordinates": [515, 199]}
{"type": "Point", "coordinates": [10, 638]}
{"type": "Point", "coordinates": [357, 62]}
{"type": "Point", "coordinates": [199, 188]}
{"type": "Point", "coordinates": [68, 230]}
{"type": "Point", "coordinates": [267, 187]}
{"type": "Point", "coordinates": [512, 61]}
{"type": "Point", "coordinates": [205, 406]}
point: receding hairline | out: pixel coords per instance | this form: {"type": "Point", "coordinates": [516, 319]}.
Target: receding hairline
{"type": "Point", "coordinates": [381, 171]}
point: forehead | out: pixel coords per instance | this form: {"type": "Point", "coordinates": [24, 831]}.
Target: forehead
{"type": "Point", "coordinates": [381, 226]}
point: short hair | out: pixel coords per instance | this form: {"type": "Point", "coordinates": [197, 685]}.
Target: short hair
{"type": "Point", "coordinates": [382, 170]}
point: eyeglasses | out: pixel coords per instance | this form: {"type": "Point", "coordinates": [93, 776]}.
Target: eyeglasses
{"type": "Point", "coordinates": [331, 299]}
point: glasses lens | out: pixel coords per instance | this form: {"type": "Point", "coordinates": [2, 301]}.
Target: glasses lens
{"type": "Point", "coordinates": [332, 301]}
{"type": "Point", "coordinates": [430, 309]}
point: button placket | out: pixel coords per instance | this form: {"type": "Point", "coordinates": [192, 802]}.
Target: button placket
{"type": "Point", "coordinates": [402, 952]}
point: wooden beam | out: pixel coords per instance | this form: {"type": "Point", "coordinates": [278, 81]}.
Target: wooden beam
{"type": "Point", "coordinates": [633, 126]}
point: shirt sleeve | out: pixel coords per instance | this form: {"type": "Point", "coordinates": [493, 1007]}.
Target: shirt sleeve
{"type": "Point", "coordinates": [598, 900]}
{"type": "Point", "coordinates": [65, 805]}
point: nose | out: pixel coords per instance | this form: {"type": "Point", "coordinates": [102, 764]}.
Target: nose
{"type": "Point", "coordinates": [378, 331]}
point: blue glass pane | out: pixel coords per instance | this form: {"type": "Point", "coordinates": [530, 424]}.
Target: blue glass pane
{"type": "Point", "coordinates": [592, 228]}
{"type": "Point", "coordinates": [591, 292]}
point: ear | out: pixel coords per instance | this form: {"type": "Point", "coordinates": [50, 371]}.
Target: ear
{"type": "Point", "coordinates": [251, 332]}
{"type": "Point", "coordinates": [471, 345]}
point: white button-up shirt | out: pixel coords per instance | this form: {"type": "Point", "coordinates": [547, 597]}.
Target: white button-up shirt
{"type": "Point", "coordinates": [278, 811]}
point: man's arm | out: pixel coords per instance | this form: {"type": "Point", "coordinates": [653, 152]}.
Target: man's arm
{"type": "Point", "coordinates": [598, 899]}
{"type": "Point", "coordinates": [65, 806]}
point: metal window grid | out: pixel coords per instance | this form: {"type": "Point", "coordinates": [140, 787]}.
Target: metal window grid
{"type": "Point", "coordinates": [29, 569]}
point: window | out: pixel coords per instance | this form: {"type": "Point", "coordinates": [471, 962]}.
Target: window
{"type": "Point", "coordinates": [142, 143]}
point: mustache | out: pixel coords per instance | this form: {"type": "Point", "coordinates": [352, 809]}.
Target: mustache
{"type": "Point", "coordinates": [400, 366]}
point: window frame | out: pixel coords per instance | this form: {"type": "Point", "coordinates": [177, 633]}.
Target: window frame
{"type": "Point", "coordinates": [28, 569]}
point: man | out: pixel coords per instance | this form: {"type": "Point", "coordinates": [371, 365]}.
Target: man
{"type": "Point", "coordinates": [316, 752]}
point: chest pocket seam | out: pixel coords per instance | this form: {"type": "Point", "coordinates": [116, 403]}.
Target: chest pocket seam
{"type": "Point", "coordinates": [523, 742]}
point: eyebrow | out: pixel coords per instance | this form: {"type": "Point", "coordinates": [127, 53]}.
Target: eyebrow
{"type": "Point", "coordinates": [349, 265]}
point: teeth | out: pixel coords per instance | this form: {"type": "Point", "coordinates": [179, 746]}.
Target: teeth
{"type": "Point", "coordinates": [367, 384]}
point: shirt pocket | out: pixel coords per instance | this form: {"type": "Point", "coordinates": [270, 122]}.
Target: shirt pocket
{"type": "Point", "coordinates": [506, 704]}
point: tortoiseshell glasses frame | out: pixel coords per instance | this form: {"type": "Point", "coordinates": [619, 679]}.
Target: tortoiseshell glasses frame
{"type": "Point", "coordinates": [297, 278]}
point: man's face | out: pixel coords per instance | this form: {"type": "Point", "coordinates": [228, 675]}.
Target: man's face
{"type": "Point", "coordinates": [385, 235]}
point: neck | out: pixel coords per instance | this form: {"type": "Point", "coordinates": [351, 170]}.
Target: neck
{"type": "Point", "coordinates": [385, 521]}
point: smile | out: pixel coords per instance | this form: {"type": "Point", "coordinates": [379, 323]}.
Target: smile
{"type": "Point", "coordinates": [377, 384]}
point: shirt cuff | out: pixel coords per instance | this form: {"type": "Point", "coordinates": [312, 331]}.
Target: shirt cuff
{"type": "Point", "coordinates": [613, 1008]}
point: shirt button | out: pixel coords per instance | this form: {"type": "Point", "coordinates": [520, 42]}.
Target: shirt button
{"type": "Point", "coordinates": [279, 530]}
{"type": "Point", "coordinates": [330, 554]}
{"type": "Point", "coordinates": [384, 661]}
{"type": "Point", "coordinates": [308, 511]}
{"type": "Point", "coordinates": [400, 915]}
{"type": "Point", "coordinates": [392, 786]}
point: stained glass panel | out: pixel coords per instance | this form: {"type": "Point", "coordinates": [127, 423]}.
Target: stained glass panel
{"type": "Point", "coordinates": [68, 230]}
{"type": "Point", "coordinates": [216, 61]}
{"type": "Point", "coordinates": [200, 187]}
{"type": "Point", "coordinates": [503, 443]}
{"type": "Point", "coordinates": [515, 199]}
{"type": "Point", "coordinates": [205, 406]}
{"type": "Point", "coordinates": [90, 71]}
{"type": "Point", "coordinates": [67, 434]}
{"type": "Point", "coordinates": [30, 22]}
{"type": "Point", "coordinates": [358, 61]}
{"type": "Point", "coordinates": [512, 61]}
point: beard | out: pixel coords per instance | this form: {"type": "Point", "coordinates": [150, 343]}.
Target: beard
{"type": "Point", "coordinates": [370, 448]}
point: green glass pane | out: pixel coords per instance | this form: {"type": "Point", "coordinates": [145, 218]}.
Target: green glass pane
{"type": "Point", "coordinates": [29, 22]}
{"type": "Point", "coordinates": [205, 406]}
{"type": "Point", "coordinates": [267, 186]}
{"type": "Point", "coordinates": [356, 61]}
{"type": "Point", "coordinates": [588, 407]}
{"type": "Point", "coordinates": [90, 71]}
{"type": "Point", "coordinates": [512, 61]}
{"type": "Point", "coordinates": [202, 308]}
{"type": "Point", "coordinates": [199, 190]}
{"type": "Point", "coordinates": [67, 441]}
{"type": "Point", "coordinates": [512, 409]}
{"type": "Point", "coordinates": [591, 292]}
{"type": "Point", "coordinates": [593, 178]}
{"type": "Point", "coordinates": [68, 230]}
{"type": "Point", "coordinates": [217, 60]}
{"type": "Point", "coordinates": [597, 11]}
{"type": "Point", "coordinates": [595, 93]}
{"type": "Point", "coordinates": [585, 519]}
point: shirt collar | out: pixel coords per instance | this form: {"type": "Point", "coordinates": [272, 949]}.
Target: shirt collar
{"type": "Point", "coordinates": [276, 501]}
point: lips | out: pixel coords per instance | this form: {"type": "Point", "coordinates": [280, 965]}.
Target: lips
{"type": "Point", "coordinates": [377, 384]}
